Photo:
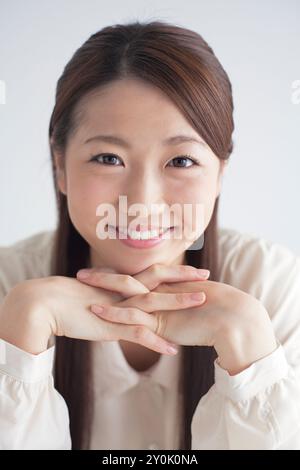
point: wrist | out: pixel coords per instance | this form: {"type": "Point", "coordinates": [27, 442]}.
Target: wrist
{"type": "Point", "coordinates": [239, 346]}
{"type": "Point", "coordinates": [23, 321]}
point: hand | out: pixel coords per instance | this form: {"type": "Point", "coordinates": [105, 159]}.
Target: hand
{"type": "Point", "coordinates": [242, 329]}
{"type": "Point", "coordinates": [60, 306]}
{"type": "Point", "coordinates": [232, 321]}
{"type": "Point", "coordinates": [149, 279]}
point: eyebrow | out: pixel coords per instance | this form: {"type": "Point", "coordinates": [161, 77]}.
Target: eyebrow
{"type": "Point", "coordinates": [175, 140]}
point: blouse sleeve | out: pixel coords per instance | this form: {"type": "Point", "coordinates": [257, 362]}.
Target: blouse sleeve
{"type": "Point", "coordinates": [259, 408]}
{"type": "Point", "coordinates": [33, 415]}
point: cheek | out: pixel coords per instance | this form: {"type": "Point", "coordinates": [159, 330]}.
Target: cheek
{"type": "Point", "coordinates": [197, 200]}
{"type": "Point", "coordinates": [201, 188]}
{"type": "Point", "coordinates": [85, 193]}
{"type": "Point", "coordinates": [84, 184]}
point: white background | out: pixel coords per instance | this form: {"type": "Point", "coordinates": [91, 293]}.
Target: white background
{"type": "Point", "coordinates": [257, 42]}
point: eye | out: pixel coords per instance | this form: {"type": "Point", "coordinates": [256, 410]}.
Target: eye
{"type": "Point", "coordinates": [111, 160]}
{"type": "Point", "coordinates": [106, 159]}
{"type": "Point", "coordinates": [182, 160]}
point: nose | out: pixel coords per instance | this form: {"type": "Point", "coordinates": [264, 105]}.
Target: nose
{"type": "Point", "coordinates": [145, 195]}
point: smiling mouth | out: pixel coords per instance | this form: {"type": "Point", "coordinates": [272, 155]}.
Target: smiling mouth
{"type": "Point", "coordinates": [143, 234]}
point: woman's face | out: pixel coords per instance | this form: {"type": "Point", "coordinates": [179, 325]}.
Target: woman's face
{"type": "Point", "coordinates": [146, 170]}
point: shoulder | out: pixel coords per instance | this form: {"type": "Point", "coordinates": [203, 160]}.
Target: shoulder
{"type": "Point", "coordinates": [267, 270]}
{"type": "Point", "coordinates": [245, 258]}
{"type": "Point", "coordinates": [234, 239]}
{"type": "Point", "coordinates": [25, 259]}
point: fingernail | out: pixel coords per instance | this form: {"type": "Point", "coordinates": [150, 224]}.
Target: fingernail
{"type": "Point", "coordinates": [97, 309]}
{"type": "Point", "coordinates": [172, 350]}
{"type": "Point", "coordinates": [83, 273]}
{"type": "Point", "coordinates": [203, 272]}
{"type": "Point", "coordinates": [197, 296]}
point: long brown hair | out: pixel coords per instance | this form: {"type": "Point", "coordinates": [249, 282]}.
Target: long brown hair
{"type": "Point", "coordinates": [183, 66]}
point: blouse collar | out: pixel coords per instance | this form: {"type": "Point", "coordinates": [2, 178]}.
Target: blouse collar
{"type": "Point", "coordinates": [114, 375]}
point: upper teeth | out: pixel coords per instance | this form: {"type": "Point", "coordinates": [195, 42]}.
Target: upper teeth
{"type": "Point", "coordinates": [144, 235]}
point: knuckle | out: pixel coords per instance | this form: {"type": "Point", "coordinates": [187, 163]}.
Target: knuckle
{"type": "Point", "coordinates": [180, 298]}
{"type": "Point", "coordinates": [127, 279]}
{"type": "Point", "coordinates": [147, 299]}
{"type": "Point", "coordinates": [53, 282]}
{"type": "Point", "coordinates": [139, 333]}
{"type": "Point", "coordinates": [132, 315]}
{"type": "Point", "coordinates": [56, 279]}
{"type": "Point", "coordinates": [156, 268]}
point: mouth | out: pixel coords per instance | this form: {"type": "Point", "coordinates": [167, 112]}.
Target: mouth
{"type": "Point", "coordinates": [144, 234]}
{"type": "Point", "coordinates": [142, 238]}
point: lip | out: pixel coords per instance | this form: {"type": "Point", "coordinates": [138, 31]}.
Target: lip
{"type": "Point", "coordinates": [143, 243]}
{"type": "Point", "coordinates": [145, 228]}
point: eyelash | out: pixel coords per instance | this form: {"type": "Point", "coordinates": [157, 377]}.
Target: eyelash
{"type": "Point", "coordinates": [195, 162]}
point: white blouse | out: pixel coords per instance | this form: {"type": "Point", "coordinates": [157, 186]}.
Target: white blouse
{"type": "Point", "coordinates": [259, 408]}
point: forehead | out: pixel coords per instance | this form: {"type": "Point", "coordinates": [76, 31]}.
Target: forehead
{"type": "Point", "coordinates": [131, 107]}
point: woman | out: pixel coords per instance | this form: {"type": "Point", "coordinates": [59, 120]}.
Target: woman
{"type": "Point", "coordinates": [144, 111]}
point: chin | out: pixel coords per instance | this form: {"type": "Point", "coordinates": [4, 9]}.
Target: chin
{"type": "Point", "coordinates": [132, 269]}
